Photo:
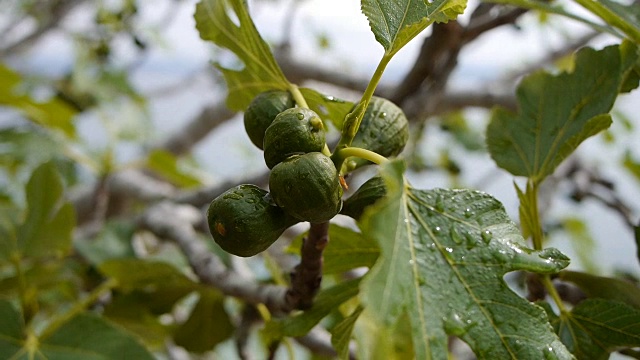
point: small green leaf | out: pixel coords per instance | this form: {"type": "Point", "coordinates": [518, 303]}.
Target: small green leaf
{"type": "Point", "coordinates": [168, 166]}
{"type": "Point", "coordinates": [631, 165]}
{"type": "Point", "coordinates": [348, 250]}
{"type": "Point", "coordinates": [207, 326]}
{"type": "Point", "coordinates": [326, 301]}
{"type": "Point", "coordinates": [89, 337]}
{"type": "Point", "coordinates": [112, 242]}
{"type": "Point", "coordinates": [133, 274]}
{"type": "Point", "coordinates": [596, 327]}
{"type": "Point", "coordinates": [49, 223]}
{"type": "Point", "coordinates": [395, 23]}
{"type": "Point", "coordinates": [443, 257]}
{"type": "Point", "coordinates": [604, 287]}
{"type": "Point", "coordinates": [260, 71]}
{"type": "Point", "coordinates": [329, 108]}
{"type": "Point", "coordinates": [53, 113]}
{"type": "Point", "coordinates": [556, 113]}
{"type": "Point", "coordinates": [341, 333]}
{"type": "Point", "coordinates": [138, 314]}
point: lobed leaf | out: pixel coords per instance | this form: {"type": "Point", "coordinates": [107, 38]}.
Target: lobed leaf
{"type": "Point", "coordinates": [557, 113]}
{"type": "Point", "coordinates": [394, 23]}
{"type": "Point", "coordinates": [443, 257]}
{"type": "Point", "coordinates": [215, 20]}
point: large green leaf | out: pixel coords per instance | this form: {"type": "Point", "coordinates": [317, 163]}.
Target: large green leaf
{"type": "Point", "coordinates": [596, 327]}
{"type": "Point", "coordinates": [215, 20]}
{"type": "Point", "coordinates": [53, 113]}
{"type": "Point", "coordinates": [49, 222]}
{"type": "Point", "coordinates": [556, 113]}
{"type": "Point", "coordinates": [84, 337]}
{"type": "Point", "coordinates": [443, 257]}
{"type": "Point", "coordinates": [395, 22]}
{"type": "Point", "coordinates": [326, 301]}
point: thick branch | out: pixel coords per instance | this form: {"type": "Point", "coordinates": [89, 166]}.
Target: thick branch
{"type": "Point", "coordinates": [307, 276]}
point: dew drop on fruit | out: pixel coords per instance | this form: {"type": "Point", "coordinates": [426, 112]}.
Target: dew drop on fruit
{"type": "Point", "coordinates": [300, 116]}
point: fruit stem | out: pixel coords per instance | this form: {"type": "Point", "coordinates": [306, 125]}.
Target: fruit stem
{"type": "Point", "coordinates": [344, 153]}
{"type": "Point", "coordinates": [297, 96]}
{"type": "Point", "coordinates": [354, 118]}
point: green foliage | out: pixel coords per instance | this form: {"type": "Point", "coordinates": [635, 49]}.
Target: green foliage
{"type": "Point", "coordinates": [455, 246]}
{"type": "Point", "coordinates": [341, 333]}
{"type": "Point", "coordinates": [557, 113]}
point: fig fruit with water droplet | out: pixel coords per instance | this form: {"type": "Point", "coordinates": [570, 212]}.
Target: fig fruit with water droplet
{"type": "Point", "coordinates": [244, 221]}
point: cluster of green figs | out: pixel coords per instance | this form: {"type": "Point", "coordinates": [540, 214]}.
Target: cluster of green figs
{"type": "Point", "coordinates": [304, 183]}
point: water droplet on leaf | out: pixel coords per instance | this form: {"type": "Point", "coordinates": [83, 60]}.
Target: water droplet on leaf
{"type": "Point", "coordinates": [455, 235]}
{"type": "Point", "coordinates": [455, 325]}
{"type": "Point", "coordinates": [439, 203]}
{"type": "Point", "coordinates": [549, 354]}
{"type": "Point", "coordinates": [486, 236]}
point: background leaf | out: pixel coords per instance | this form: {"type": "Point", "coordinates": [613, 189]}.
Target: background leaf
{"type": "Point", "coordinates": [49, 223]}
{"type": "Point", "coordinates": [167, 165]}
{"type": "Point", "coordinates": [555, 114]}
{"type": "Point", "coordinates": [445, 269]}
{"type": "Point", "coordinates": [207, 325]}
{"type": "Point", "coordinates": [596, 327]}
{"type": "Point", "coordinates": [52, 114]}
{"type": "Point", "coordinates": [260, 71]}
{"type": "Point", "coordinates": [133, 274]}
{"type": "Point", "coordinates": [395, 23]}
